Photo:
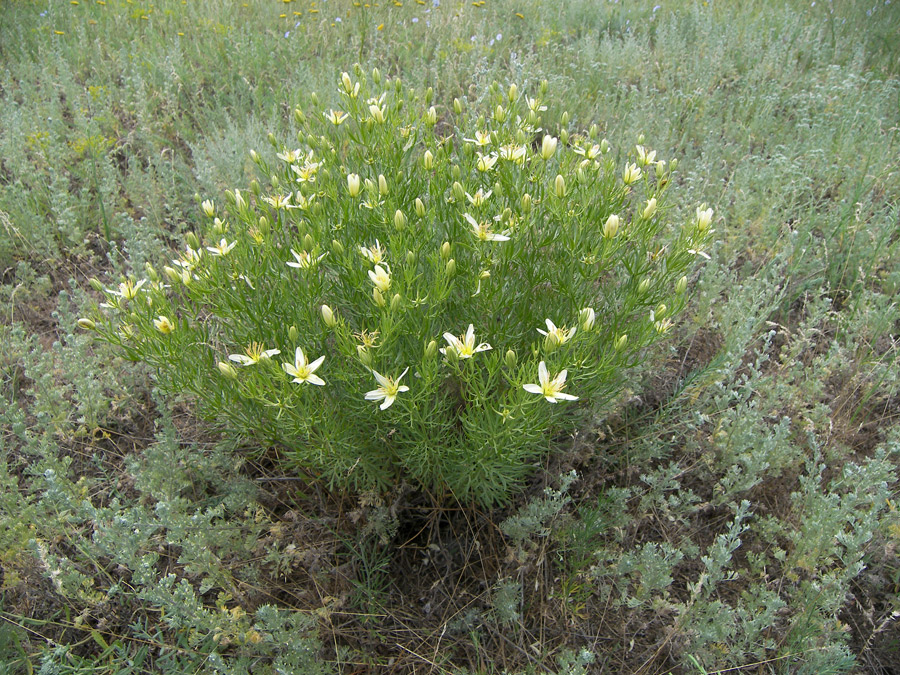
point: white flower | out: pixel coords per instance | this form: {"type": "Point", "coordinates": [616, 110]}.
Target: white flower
{"type": "Point", "coordinates": [304, 260]}
{"type": "Point", "coordinates": [483, 230]}
{"type": "Point", "coordinates": [482, 139]}
{"type": "Point", "coordinates": [128, 290]}
{"type": "Point", "coordinates": [256, 352]}
{"type": "Point", "coordinates": [290, 156]}
{"type": "Point", "coordinates": [559, 335]}
{"type": "Point", "coordinates": [222, 248]}
{"type": "Point", "coordinates": [388, 390]}
{"type": "Point", "coordinates": [381, 278]}
{"type": "Point", "coordinates": [513, 153]}
{"type": "Point", "coordinates": [336, 117]}
{"type": "Point", "coordinates": [464, 346]}
{"type": "Point", "coordinates": [374, 254]}
{"type": "Point", "coordinates": [164, 325]}
{"type": "Point", "coordinates": [486, 162]}
{"type": "Point", "coordinates": [279, 202]}
{"type": "Point", "coordinates": [550, 389]}
{"type": "Point", "coordinates": [479, 198]}
{"type": "Point", "coordinates": [302, 370]}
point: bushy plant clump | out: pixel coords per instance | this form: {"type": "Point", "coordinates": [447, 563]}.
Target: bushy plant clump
{"type": "Point", "coordinates": [408, 296]}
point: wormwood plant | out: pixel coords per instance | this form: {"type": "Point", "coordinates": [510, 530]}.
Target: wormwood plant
{"type": "Point", "coordinates": [411, 296]}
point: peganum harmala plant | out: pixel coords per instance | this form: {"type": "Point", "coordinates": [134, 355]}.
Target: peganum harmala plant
{"type": "Point", "coordinates": [403, 296]}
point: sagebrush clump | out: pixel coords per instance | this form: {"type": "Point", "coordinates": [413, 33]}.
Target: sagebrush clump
{"type": "Point", "coordinates": [411, 296]}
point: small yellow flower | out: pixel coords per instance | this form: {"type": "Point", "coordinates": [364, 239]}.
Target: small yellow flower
{"type": "Point", "coordinates": [279, 202]}
{"type": "Point", "coordinates": [550, 389]}
{"type": "Point", "coordinates": [374, 254]}
{"type": "Point", "coordinates": [644, 156]}
{"type": "Point", "coordinates": [128, 290]}
{"type": "Point", "coordinates": [302, 370]}
{"type": "Point", "coordinates": [305, 260]}
{"type": "Point", "coordinates": [483, 230]}
{"type": "Point", "coordinates": [255, 352]}
{"type": "Point", "coordinates": [223, 248]}
{"type": "Point", "coordinates": [557, 335]}
{"type": "Point", "coordinates": [631, 174]}
{"type": "Point", "coordinates": [164, 325]}
{"type": "Point", "coordinates": [336, 117]}
{"type": "Point", "coordinates": [479, 198]}
{"type": "Point", "coordinates": [486, 162]}
{"type": "Point", "coordinates": [290, 156]}
{"type": "Point", "coordinates": [353, 184]}
{"type": "Point", "coordinates": [513, 153]}
{"type": "Point", "coordinates": [482, 139]}
{"type": "Point", "coordinates": [209, 208]}
{"type": "Point", "coordinates": [388, 389]}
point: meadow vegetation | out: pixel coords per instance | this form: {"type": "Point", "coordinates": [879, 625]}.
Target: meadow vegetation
{"type": "Point", "coordinates": [720, 498]}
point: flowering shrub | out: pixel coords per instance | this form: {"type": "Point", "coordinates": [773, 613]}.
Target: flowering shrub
{"type": "Point", "coordinates": [408, 297]}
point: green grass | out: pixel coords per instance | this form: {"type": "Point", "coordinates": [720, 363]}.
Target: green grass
{"type": "Point", "coordinates": [736, 509]}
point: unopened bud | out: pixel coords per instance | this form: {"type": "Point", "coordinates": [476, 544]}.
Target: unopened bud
{"type": "Point", "coordinates": [151, 272]}
{"type": "Point", "coordinates": [293, 333]}
{"type": "Point", "coordinates": [543, 88]}
{"type": "Point", "coordinates": [559, 186]}
{"type": "Point", "coordinates": [521, 137]}
{"type": "Point", "coordinates": [510, 358]}
{"type": "Point", "coordinates": [255, 187]}
{"type": "Point", "coordinates": [209, 208]}
{"type": "Point", "coordinates": [564, 136]}
{"type": "Point", "coordinates": [364, 355]}
{"type": "Point", "coordinates": [643, 287]}
{"type": "Point", "coordinates": [314, 97]}
{"type": "Point", "coordinates": [299, 117]}
{"type": "Point", "coordinates": [172, 273]}
{"type": "Point", "coordinates": [308, 242]}
{"type": "Point", "coordinates": [263, 225]}
{"type": "Point", "coordinates": [429, 95]}
{"type": "Point", "coordinates": [621, 341]}
{"type": "Point", "coordinates": [458, 191]}
{"type": "Point", "coordinates": [395, 302]}
{"type": "Point", "coordinates": [430, 349]}
{"type": "Point", "coordinates": [445, 250]}
{"type": "Point", "coordinates": [420, 208]}
{"type": "Point", "coordinates": [661, 168]}
{"type": "Point", "coordinates": [681, 285]}
{"type": "Point", "coordinates": [450, 267]}
{"type": "Point", "coordinates": [455, 172]}
{"type": "Point", "coordinates": [593, 131]}
{"type": "Point", "coordinates": [376, 76]}
{"type": "Point", "coordinates": [87, 324]}
{"type": "Point", "coordinates": [564, 119]}
{"type": "Point", "coordinates": [548, 146]}
{"type": "Point", "coordinates": [650, 209]}
{"type": "Point", "coordinates": [551, 342]}
{"type": "Point", "coordinates": [611, 227]}
{"type": "Point", "coordinates": [604, 146]}
{"type": "Point", "coordinates": [526, 203]}
{"type": "Point", "coordinates": [428, 160]}
{"type": "Point", "coordinates": [410, 259]}
{"type": "Point", "coordinates": [431, 117]}
{"type": "Point", "coordinates": [96, 285]}
{"type": "Point", "coordinates": [513, 93]}
{"type": "Point", "coordinates": [378, 297]}
{"type": "Point", "coordinates": [192, 240]}
{"type": "Point", "coordinates": [640, 138]}
{"type": "Point", "coordinates": [704, 218]}
{"type": "Point", "coordinates": [353, 184]}
{"type": "Point", "coordinates": [337, 247]}
{"type": "Point", "coordinates": [382, 185]}
{"type": "Point", "coordinates": [499, 114]}
{"type": "Point", "coordinates": [580, 175]}
{"type": "Point", "coordinates": [451, 355]}
{"type": "Point", "coordinates": [399, 219]}
{"type": "Point", "coordinates": [586, 318]}
{"type": "Point", "coordinates": [346, 82]}
{"type": "Point", "coordinates": [227, 370]}
{"type": "Point", "coordinates": [457, 106]}
{"type": "Point", "coordinates": [272, 140]}
{"type": "Point", "coordinates": [660, 311]}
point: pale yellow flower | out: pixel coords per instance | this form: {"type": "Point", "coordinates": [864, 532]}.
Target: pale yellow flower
{"type": "Point", "coordinates": [255, 352]}
{"type": "Point", "coordinates": [305, 260]}
{"type": "Point", "coordinates": [464, 346]}
{"type": "Point", "coordinates": [550, 389]}
{"type": "Point", "coordinates": [381, 278]}
{"type": "Point", "coordinates": [223, 248]}
{"type": "Point", "coordinates": [483, 230]}
{"type": "Point", "coordinates": [336, 117]}
{"type": "Point", "coordinates": [558, 335]}
{"type": "Point", "coordinates": [164, 325]}
{"type": "Point", "coordinates": [290, 156]}
{"type": "Point", "coordinates": [388, 389]}
{"type": "Point", "coordinates": [482, 139]}
{"type": "Point", "coordinates": [374, 254]}
{"type": "Point", "coordinates": [302, 370]}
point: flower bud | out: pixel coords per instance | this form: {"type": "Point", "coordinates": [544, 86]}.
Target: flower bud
{"type": "Point", "coordinates": [559, 186]}
{"type": "Point", "coordinates": [378, 297]}
{"type": "Point", "coordinates": [87, 324]}
{"type": "Point", "coordinates": [457, 106]}
{"type": "Point", "coordinates": [96, 285]}
{"type": "Point", "coordinates": [410, 259]}
{"type": "Point", "coordinates": [353, 184]}
{"type": "Point", "coordinates": [513, 93]}
{"type": "Point", "coordinates": [611, 227]}
{"type": "Point", "coordinates": [382, 185]}
{"type": "Point", "coordinates": [681, 285]}
{"type": "Point", "coordinates": [376, 76]}
{"type": "Point", "coordinates": [673, 164]}
{"type": "Point", "coordinates": [704, 218]}
{"type": "Point", "coordinates": [192, 240]}
{"type": "Point", "coordinates": [445, 250]}
{"type": "Point", "coordinates": [346, 82]}
{"type": "Point", "coordinates": [510, 358]}
{"type": "Point", "coordinates": [430, 349]}
{"type": "Point", "coordinates": [263, 225]}
{"type": "Point", "coordinates": [364, 355]}
{"type": "Point", "coordinates": [227, 370]}
{"type": "Point", "coordinates": [586, 318]}
{"type": "Point", "coordinates": [526, 203]}
{"type": "Point", "coordinates": [172, 273]}
{"type": "Point", "coordinates": [458, 191]}
{"type": "Point", "coordinates": [395, 302]}
{"type": "Point", "coordinates": [151, 272]}
{"type": "Point", "coordinates": [308, 242]}
{"type": "Point", "coordinates": [337, 247]}
{"type": "Point", "coordinates": [299, 117]}
{"type": "Point", "coordinates": [548, 146]}
{"type": "Point", "coordinates": [420, 208]}
{"type": "Point", "coordinates": [650, 209]}
{"type": "Point", "coordinates": [455, 172]}
{"type": "Point", "coordinates": [328, 316]}
{"type": "Point", "coordinates": [580, 175]}
{"type": "Point", "coordinates": [621, 341]}
{"type": "Point", "coordinates": [551, 342]}
{"type": "Point", "coordinates": [593, 131]}
{"type": "Point", "coordinates": [377, 113]}
{"type": "Point", "coordinates": [428, 160]}
{"type": "Point", "coordinates": [314, 97]}
{"type": "Point", "coordinates": [660, 311]}
{"type": "Point", "coordinates": [631, 174]}
{"type": "Point", "coordinates": [451, 355]}
{"type": "Point", "coordinates": [643, 287]}
{"type": "Point", "coordinates": [499, 114]}
{"type": "Point", "coordinates": [604, 146]}
{"type": "Point", "coordinates": [450, 267]}
{"type": "Point", "coordinates": [293, 333]}
{"type": "Point", "coordinates": [564, 136]}
{"type": "Point", "coordinates": [209, 208]}
{"type": "Point", "coordinates": [431, 117]}
{"type": "Point", "coordinates": [564, 119]}
{"type": "Point", "coordinates": [660, 168]}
